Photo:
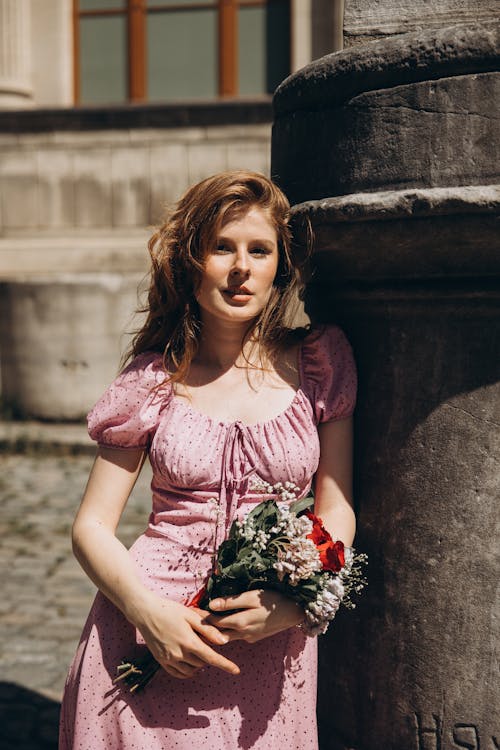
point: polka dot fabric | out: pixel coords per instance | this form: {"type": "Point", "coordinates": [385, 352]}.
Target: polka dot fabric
{"type": "Point", "coordinates": [196, 458]}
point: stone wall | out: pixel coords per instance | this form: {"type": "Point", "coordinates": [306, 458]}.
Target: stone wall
{"type": "Point", "coordinates": [79, 193]}
{"type": "Point", "coordinates": [115, 178]}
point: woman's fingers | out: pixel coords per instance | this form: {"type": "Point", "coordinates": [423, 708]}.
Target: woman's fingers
{"type": "Point", "coordinates": [242, 601]}
{"type": "Point", "coordinates": [190, 664]}
{"type": "Point", "coordinates": [209, 631]}
{"type": "Point", "coordinates": [209, 656]}
{"type": "Point", "coordinates": [255, 614]}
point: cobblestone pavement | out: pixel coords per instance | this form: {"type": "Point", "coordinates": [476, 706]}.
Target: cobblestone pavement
{"type": "Point", "coordinates": [46, 595]}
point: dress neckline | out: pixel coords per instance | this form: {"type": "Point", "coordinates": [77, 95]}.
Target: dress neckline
{"type": "Point", "coordinates": [297, 399]}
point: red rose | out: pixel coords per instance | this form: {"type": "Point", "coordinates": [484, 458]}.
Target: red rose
{"type": "Point", "coordinates": [333, 557]}
{"type": "Point", "coordinates": [319, 534]}
{"type": "Point", "coordinates": [331, 553]}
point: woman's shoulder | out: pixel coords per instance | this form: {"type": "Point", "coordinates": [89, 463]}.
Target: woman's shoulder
{"type": "Point", "coordinates": [328, 372]}
{"type": "Point", "coordinates": [130, 407]}
{"type": "Point", "coordinates": [326, 336]}
{"type": "Point", "coordinates": [146, 365]}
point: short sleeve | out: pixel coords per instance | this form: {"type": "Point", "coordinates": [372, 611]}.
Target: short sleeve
{"type": "Point", "coordinates": [127, 413]}
{"type": "Point", "coordinates": [328, 374]}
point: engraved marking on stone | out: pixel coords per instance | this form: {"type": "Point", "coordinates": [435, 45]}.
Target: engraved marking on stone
{"type": "Point", "coordinates": [496, 744]}
{"type": "Point", "coordinates": [428, 737]}
{"type": "Point", "coordinates": [466, 735]}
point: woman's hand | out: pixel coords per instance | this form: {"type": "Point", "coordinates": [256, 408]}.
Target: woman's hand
{"type": "Point", "coordinates": [261, 613]}
{"type": "Point", "coordinates": [178, 637]}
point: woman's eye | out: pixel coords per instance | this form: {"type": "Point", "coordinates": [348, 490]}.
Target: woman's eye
{"type": "Point", "coordinates": [221, 248]}
{"type": "Point", "coordinates": [260, 251]}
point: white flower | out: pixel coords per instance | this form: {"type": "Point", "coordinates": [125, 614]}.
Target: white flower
{"type": "Point", "coordinates": [335, 586]}
{"type": "Point", "coordinates": [286, 492]}
{"type": "Point", "coordinates": [297, 527]}
{"type": "Point", "coordinates": [260, 540]}
{"type": "Point", "coordinates": [299, 560]}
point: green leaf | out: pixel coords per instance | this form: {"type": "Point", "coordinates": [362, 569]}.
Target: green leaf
{"type": "Point", "coordinates": [228, 552]}
{"type": "Point", "coordinates": [299, 506]}
{"type": "Point", "coordinates": [263, 513]}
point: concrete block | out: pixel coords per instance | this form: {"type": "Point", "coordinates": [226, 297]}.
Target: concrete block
{"type": "Point", "coordinates": [56, 188]}
{"type": "Point", "coordinates": [130, 186]}
{"type": "Point", "coordinates": [9, 140]}
{"type": "Point", "coordinates": [254, 155]}
{"type": "Point", "coordinates": [168, 177]}
{"type": "Point", "coordinates": [92, 170]}
{"type": "Point", "coordinates": [29, 141]}
{"type": "Point", "coordinates": [205, 159]}
{"type": "Point", "coordinates": [120, 251]}
{"type": "Point", "coordinates": [229, 133]}
{"type": "Point", "coordinates": [61, 339]}
{"type": "Point", "coordinates": [167, 135]}
{"type": "Point", "coordinates": [18, 188]}
{"type": "Point", "coordinates": [91, 138]}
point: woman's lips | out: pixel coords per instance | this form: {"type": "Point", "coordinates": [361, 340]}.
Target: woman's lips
{"type": "Point", "coordinates": [239, 294]}
{"type": "Point", "coordinates": [240, 291]}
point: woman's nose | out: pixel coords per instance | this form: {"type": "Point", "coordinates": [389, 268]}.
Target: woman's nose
{"type": "Point", "coordinates": [241, 266]}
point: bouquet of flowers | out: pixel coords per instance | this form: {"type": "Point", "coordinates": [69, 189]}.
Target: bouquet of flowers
{"type": "Point", "coordinates": [283, 546]}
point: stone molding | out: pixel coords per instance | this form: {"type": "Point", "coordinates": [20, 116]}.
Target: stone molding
{"type": "Point", "coordinates": [189, 114]}
{"type": "Point", "coordinates": [436, 236]}
{"type": "Point", "coordinates": [407, 58]}
{"type": "Point", "coordinates": [396, 204]}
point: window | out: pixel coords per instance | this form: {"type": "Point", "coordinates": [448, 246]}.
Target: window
{"type": "Point", "coordinates": [157, 50]}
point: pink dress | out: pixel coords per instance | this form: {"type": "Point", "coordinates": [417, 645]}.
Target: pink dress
{"type": "Point", "coordinates": [195, 459]}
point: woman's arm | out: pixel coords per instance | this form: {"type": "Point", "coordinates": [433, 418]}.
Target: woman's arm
{"type": "Point", "coordinates": [176, 635]}
{"type": "Point", "coordinates": [333, 480]}
{"type": "Point", "coordinates": [264, 613]}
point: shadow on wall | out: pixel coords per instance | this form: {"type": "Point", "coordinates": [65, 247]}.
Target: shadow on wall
{"type": "Point", "coordinates": [29, 720]}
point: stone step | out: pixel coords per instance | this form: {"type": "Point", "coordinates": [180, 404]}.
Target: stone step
{"type": "Point", "coordinates": [26, 255]}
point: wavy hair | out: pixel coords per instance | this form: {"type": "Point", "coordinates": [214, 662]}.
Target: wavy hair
{"type": "Point", "coordinates": [178, 249]}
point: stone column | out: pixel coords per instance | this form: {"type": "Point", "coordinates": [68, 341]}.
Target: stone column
{"type": "Point", "coordinates": [15, 59]}
{"type": "Point", "coordinates": [389, 150]}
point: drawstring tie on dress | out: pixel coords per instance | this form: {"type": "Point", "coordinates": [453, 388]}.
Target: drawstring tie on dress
{"type": "Point", "coordinates": [238, 452]}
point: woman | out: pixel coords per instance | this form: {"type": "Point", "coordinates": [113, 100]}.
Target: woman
{"type": "Point", "coordinates": [219, 392]}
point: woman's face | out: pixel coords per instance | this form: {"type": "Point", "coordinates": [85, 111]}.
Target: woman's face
{"type": "Point", "coordinates": [240, 268]}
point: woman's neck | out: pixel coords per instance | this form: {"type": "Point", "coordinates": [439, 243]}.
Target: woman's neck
{"type": "Point", "coordinates": [220, 346]}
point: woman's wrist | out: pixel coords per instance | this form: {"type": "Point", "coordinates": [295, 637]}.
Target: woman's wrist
{"type": "Point", "coordinates": [138, 606]}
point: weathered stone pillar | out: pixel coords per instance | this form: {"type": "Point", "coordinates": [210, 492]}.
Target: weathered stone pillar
{"type": "Point", "coordinates": [15, 46]}
{"type": "Point", "coordinates": [389, 150]}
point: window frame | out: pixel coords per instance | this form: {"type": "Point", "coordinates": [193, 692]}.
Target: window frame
{"type": "Point", "coordinates": [135, 13]}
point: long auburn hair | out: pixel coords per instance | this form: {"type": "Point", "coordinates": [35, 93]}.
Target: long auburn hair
{"type": "Point", "coordinates": [178, 249]}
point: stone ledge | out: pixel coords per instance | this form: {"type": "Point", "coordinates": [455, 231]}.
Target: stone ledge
{"type": "Point", "coordinates": [24, 255]}
{"type": "Point", "coordinates": [430, 235]}
{"type": "Point", "coordinates": [45, 437]}
{"type": "Point", "coordinates": [397, 204]}
{"type": "Point", "coordinates": [177, 115]}
{"type": "Point", "coordinates": [408, 58]}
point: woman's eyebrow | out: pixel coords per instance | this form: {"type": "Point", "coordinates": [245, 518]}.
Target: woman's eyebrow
{"type": "Point", "coordinates": [255, 241]}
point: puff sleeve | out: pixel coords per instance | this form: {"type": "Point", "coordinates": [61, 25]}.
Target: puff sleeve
{"type": "Point", "coordinates": [127, 414]}
{"type": "Point", "coordinates": [329, 374]}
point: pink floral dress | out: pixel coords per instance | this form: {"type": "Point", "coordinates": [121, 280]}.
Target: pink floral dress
{"type": "Point", "coordinates": [197, 459]}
